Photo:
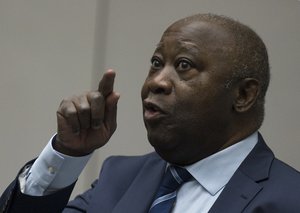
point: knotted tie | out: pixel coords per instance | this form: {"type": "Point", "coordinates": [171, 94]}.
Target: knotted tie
{"type": "Point", "coordinates": [166, 195]}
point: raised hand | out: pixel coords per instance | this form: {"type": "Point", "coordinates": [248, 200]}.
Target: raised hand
{"type": "Point", "coordinates": [86, 122]}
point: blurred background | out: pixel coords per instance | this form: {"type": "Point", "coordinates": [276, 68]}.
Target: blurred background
{"type": "Point", "coordinates": [53, 49]}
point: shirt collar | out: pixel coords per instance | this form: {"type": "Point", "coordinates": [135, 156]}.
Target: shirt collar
{"type": "Point", "coordinates": [214, 172]}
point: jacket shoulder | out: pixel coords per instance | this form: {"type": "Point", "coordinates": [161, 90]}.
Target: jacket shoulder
{"type": "Point", "coordinates": [283, 172]}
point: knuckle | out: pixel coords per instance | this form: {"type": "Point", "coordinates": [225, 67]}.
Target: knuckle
{"type": "Point", "coordinates": [83, 108]}
{"type": "Point", "coordinates": [66, 102]}
{"type": "Point", "coordinates": [96, 96]}
{"type": "Point", "coordinates": [69, 112]}
{"type": "Point", "coordinates": [66, 109]}
{"type": "Point", "coordinates": [63, 103]}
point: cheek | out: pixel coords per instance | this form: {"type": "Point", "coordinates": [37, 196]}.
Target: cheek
{"type": "Point", "coordinates": [188, 107]}
{"type": "Point", "coordinates": [197, 102]}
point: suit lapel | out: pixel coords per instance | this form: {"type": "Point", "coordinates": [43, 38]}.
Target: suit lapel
{"type": "Point", "coordinates": [245, 183]}
{"type": "Point", "coordinates": [236, 195]}
{"type": "Point", "coordinates": [139, 195]}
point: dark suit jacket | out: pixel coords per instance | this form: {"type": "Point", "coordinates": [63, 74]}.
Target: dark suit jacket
{"type": "Point", "coordinates": [127, 184]}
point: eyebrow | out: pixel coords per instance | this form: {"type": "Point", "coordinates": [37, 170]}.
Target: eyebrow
{"type": "Point", "coordinates": [184, 46]}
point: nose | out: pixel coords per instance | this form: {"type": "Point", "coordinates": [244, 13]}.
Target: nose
{"type": "Point", "coordinates": [160, 82]}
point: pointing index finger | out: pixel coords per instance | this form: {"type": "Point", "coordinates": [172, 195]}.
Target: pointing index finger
{"type": "Point", "coordinates": [106, 85]}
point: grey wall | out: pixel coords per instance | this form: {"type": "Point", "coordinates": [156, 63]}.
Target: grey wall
{"type": "Point", "coordinates": [46, 53]}
{"type": "Point", "coordinates": [52, 49]}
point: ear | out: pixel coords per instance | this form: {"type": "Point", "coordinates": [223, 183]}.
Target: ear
{"type": "Point", "coordinates": [246, 94]}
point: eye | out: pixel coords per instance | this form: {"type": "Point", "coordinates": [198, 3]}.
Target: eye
{"type": "Point", "coordinates": [156, 63]}
{"type": "Point", "coordinates": [184, 64]}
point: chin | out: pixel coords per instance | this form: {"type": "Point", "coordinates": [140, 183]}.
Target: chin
{"type": "Point", "coordinates": [170, 152]}
{"type": "Point", "coordinates": [173, 157]}
{"type": "Point", "coordinates": [161, 142]}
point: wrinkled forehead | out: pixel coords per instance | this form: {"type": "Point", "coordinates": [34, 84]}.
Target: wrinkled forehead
{"type": "Point", "coordinates": [198, 34]}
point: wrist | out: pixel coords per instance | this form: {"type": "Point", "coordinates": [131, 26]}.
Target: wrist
{"type": "Point", "coordinates": [59, 146]}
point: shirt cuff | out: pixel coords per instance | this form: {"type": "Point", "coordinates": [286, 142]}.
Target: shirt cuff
{"type": "Point", "coordinates": [53, 171]}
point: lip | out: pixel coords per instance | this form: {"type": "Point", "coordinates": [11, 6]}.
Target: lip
{"type": "Point", "coordinates": [152, 111]}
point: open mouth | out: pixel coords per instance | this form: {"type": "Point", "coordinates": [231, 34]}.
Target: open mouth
{"type": "Point", "coordinates": [152, 111]}
{"type": "Point", "coordinates": [151, 107]}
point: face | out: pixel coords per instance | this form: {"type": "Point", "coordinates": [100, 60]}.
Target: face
{"type": "Point", "coordinates": [187, 109]}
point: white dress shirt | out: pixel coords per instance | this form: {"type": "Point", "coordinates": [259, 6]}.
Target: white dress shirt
{"type": "Point", "coordinates": [53, 171]}
{"type": "Point", "coordinates": [211, 175]}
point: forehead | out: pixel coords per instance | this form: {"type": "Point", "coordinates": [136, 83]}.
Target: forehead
{"type": "Point", "coordinates": [196, 37]}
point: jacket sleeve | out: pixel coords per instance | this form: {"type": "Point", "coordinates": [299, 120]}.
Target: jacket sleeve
{"type": "Point", "coordinates": [14, 201]}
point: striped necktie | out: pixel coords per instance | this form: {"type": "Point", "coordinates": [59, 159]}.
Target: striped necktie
{"type": "Point", "coordinates": [166, 195]}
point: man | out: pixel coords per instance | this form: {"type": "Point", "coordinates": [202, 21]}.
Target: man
{"type": "Point", "coordinates": [203, 103]}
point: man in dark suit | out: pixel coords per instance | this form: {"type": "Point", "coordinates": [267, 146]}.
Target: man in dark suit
{"type": "Point", "coordinates": [203, 103]}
